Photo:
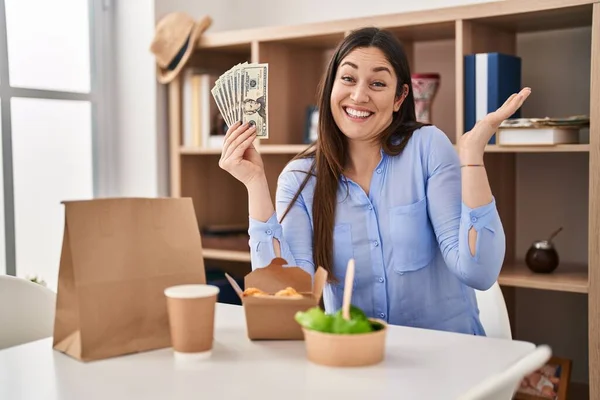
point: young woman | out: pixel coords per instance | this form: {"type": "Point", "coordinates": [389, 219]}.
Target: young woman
{"type": "Point", "coordinates": [417, 216]}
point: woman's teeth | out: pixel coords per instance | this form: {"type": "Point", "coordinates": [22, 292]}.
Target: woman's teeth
{"type": "Point", "coordinates": [357, 114]}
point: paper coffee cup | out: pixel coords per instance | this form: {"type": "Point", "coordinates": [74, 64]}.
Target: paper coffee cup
{"type": "Point", "coordinates": [191, 310]}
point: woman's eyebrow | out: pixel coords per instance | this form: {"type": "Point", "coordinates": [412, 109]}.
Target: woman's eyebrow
{"type": "Point", "coordinates": [350, 64]}
{"type": "Point", "coordinates": [376, 69]}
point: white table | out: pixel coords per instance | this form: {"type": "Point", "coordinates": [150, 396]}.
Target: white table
{"type": "Point", "coordinates": [419, 364]}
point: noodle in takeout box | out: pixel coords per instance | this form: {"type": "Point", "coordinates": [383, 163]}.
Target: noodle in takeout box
{"type": "Point", "coordinates": [273, 296]}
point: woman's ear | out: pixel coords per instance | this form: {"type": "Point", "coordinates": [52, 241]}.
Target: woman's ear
{"type": "Point", "coordinates": [401, 97]}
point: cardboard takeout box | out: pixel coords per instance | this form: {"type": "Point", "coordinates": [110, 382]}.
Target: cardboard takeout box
{"type": "Point", "coordinates": [273, 317]}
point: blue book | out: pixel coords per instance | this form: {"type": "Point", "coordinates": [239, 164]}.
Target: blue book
{"type": "Point", "coordinates": [489, 79]}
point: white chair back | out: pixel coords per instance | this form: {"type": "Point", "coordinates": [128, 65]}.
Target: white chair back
{"type": "Point", "coordinates": [26, 311]}
{"type": "Point", "coordinates": [493, 313]}
{"type": "Point", "coordinates": [504, 385]}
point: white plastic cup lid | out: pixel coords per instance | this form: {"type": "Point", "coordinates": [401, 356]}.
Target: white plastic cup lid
{"type": "Point", "coordinates": [191, 291]}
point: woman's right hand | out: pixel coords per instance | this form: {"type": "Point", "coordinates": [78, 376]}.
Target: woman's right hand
{"type": "Point", "coordinates": [239, 156]}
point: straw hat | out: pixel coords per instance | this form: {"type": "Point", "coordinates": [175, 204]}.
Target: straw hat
{"type": "Point", "coordinates": [174, 41]}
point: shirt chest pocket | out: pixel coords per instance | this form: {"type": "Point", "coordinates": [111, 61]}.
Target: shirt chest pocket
{"type": "Point", "coordinates": [412, 237]}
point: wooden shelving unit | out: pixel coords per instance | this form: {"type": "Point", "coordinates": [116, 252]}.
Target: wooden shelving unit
{"type": "Point", "coordinates": [569, 278]}
{"type": "Point", "coordinates": [560, 148]}
{"type": "Point", "coordinates": [264, 149]}
{"type": "Point", "coordinates": [226, 255]}
{"type": "Point", "coordinates": [297, 148]}
{"type": "Point", "coordinates": [434, 40]}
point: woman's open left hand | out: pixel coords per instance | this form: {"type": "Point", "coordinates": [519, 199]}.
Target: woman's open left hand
{"type": "Point", "coordinates": [472, 144]}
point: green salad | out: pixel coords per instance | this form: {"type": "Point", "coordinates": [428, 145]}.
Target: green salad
{"type": "Point", "coordinates": [315, 319]}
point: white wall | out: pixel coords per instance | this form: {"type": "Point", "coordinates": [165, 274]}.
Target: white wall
{"type": "Point", "coordinates": [135, 133]}
{"type": "Point", "coordinates": [273, 12]}
{"type": "Point", "coordinates": [224, 13]}
{"type": "Point", "coordinates": [240, 14]}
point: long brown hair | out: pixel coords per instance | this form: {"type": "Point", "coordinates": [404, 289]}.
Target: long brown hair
{"type": "Point", "coordinates": [330, 151]}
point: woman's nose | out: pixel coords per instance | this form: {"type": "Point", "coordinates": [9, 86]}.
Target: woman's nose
{"type": "Point", "coordinates": [359, 94]}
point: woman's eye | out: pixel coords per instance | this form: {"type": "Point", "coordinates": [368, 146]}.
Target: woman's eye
{"type": "Point", "coordinates": [347, 79]}
{"type": "Point", "coordinates": [379, 84]}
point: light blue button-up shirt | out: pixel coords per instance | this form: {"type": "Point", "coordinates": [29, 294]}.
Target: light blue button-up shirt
{"type": "Point", "coordinates": [408, 237]}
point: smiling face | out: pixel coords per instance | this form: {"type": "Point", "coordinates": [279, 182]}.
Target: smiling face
{"type": "Point", "coordinates": [363, 97]}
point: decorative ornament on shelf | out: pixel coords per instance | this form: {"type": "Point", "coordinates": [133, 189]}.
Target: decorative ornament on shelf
{"type": "Point", "coordinates": [542, 256]}
{"type": "Point", "coordinates": [425, 87]}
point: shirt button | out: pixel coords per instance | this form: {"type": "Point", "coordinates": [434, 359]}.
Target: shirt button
{"type": "Point", "coordinates": [378, 170]}
{"type": "Point", "coordinates": [370, 207]}
{"type": "Point", "coordinates": [376, 243]}
{"type": "Point", "coordinates": [473, 219]}
{"type": "Point", "coordinates": [269, 231]}
{"type": "Point", "coordinates": [380, 279]}
{"type": "Point", "coordinates": [382, 315]}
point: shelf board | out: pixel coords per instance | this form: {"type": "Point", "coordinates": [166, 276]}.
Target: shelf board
{"type": "Point", "coordinates": [199, 150]}
{"type": "Point", "coordinates": [297, 148]}
{"type": "Point", "coordinates": [262, 149]}
{"type": "Point", "coordinates": [512, 15]}
{"type": "Point", "coordinates": [282, 148]}
{"type": "Point", "coordinates": [327, 40]}
{"type": "Point", "coordinates": [227, 255]}
{"type": "Point", "coordinates": [542, 20]}
{"type": "Point", "coordinates": [559, 148]}
{"type": "Point", "coordinates": [566, 278]}
{"type": "Point", "coordinates": [434, 31]}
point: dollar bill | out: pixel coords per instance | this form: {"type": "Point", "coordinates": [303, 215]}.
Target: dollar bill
{"type": "Point", "coordinates": [238, 88]}
{"type": "Point", "coordinates": [241, 95]}
{"type": "Point", "coordinates": [220, 103]}
{"type": "Point", "coordinates": [218, 93]}
{"type": "Point", "coordinates": [254, 90]}
{"type": "Point", "coordinates": [228, 92]}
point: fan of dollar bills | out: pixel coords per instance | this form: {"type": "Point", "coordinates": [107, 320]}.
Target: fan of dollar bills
{"type": "Point", "coordinates": [241, 95]}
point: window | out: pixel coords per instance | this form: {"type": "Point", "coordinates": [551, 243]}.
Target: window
{"type": "Point", "coordinates": [51, 87]}
{"type": "Point", "coordinates": [2, 242]}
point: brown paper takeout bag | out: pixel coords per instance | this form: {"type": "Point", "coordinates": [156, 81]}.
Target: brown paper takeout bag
{"type": "Point", "coordinates": [118, 256]}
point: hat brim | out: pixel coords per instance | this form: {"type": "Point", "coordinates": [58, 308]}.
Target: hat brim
{"type": "Point", "coordinates": [165, 75]}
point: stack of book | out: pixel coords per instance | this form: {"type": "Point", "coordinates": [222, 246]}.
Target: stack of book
{"type": "Point", "coordinates": [203, 125]}
{"type": "Point", "coordinates": [489, 79]}
{"type": "Point", "coordinates": [541, 131]}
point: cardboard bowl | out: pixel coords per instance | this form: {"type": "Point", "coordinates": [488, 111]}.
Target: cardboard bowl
{"type": "Point", "coordinates": [346, 350]}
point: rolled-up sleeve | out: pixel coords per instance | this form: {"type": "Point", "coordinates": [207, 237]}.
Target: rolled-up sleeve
{"type": "Point", "coordinates": [261, 240]}
{"type": "Point", "coordinates": [452, 219]}
{"type": "Point", "coordinates": [481, 270]}
{"type": "Point", "coordinates": [294, 233]}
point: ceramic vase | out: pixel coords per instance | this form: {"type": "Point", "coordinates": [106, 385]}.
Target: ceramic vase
{"type": "Point", "coordinates": [425, 87]}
